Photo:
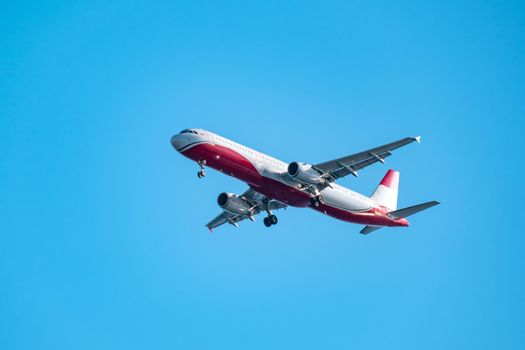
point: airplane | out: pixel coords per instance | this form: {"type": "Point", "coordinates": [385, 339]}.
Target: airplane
{"type": "Point", "coordinates": [274, 184]}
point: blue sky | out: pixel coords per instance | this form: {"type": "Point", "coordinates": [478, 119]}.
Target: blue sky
{"type": "Point", "coordinates": [102, 241]}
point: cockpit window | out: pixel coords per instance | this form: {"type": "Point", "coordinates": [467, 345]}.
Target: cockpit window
{"type": "Point", "coordinates": [188, 131]}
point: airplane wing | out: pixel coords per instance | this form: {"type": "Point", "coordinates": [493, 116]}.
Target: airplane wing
{"type": "Point", "coordinates": [258, 202]}
{"type": "Point", "coordinates": [341, 167]}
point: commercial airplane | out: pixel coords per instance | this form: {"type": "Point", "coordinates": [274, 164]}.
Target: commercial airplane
{"type": "Point", "coordinates": [274, 184]}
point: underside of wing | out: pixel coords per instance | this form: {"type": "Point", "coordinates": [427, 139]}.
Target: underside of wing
{"type": "Point", "coordinates": [257, 203]}
{"type": "Point", "coordinates": [223, 218]}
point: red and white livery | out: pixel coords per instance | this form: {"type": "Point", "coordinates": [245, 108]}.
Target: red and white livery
{"type": "Point", "coordinates": [274, 184]}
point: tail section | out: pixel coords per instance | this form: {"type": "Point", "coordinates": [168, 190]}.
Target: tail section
{"type": "Point", "coordinates": [386, 193]}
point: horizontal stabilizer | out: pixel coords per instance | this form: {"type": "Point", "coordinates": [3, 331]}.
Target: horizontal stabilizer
{"type": "Point", "coordinates": [403, 213]}
{"type": "Point", "coordinates": [367, 229]}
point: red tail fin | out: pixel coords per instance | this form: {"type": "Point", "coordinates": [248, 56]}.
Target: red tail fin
{"type": "Point", "coordinates": [386, 193]}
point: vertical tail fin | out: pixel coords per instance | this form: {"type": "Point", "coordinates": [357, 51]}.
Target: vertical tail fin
{"type": "Point", "coordinates": [386, 193]}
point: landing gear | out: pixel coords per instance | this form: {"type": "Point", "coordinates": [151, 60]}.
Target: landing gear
{"type": "Point", "coordinates": [317, 200]}
{"type": "Point", "coordinates": [201, 173]}
{"type": "Point", "coordinates": [270, 220]}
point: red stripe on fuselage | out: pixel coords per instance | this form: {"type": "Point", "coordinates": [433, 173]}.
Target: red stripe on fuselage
{"type": "Point", "coordinates": [225, 160]}
{"type": "Point", "coordinates": [235, 164]}
{"type": "Point", "coordinates": [231, 162]}
{"type": "Point", "coordinates": [375, 216]}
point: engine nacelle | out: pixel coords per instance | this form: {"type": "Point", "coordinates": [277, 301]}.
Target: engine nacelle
{"type": "Point", "coordinates": [234, 204]}
{"type": "Point", "coordinates": [305, 173]}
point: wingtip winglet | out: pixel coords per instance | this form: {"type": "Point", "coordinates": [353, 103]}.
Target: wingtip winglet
{"type": "Point", "coordinates": [418, 139]}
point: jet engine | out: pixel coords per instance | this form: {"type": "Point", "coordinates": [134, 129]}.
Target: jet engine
{"type": "Point", "coordinates": [305, 173]}
{"type": "Point", "coordinates": [234, 204]}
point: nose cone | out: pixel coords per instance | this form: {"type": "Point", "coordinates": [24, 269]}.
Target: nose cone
{"type": "Point", "coordinates": [179, 141]}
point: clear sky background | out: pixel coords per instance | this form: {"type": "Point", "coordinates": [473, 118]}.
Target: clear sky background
{"type": "Point", "coordinates": [102, 237]}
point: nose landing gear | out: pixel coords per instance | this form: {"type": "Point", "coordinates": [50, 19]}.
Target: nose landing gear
{"type": "Point", "coordinates": [201, 172]}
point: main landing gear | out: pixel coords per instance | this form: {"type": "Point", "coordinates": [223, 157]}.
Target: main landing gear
{"type": "Point", "coordinates": [270, 220]}
{"type": "Point", "coordinates": [317, 200]}
{"type": "Point", "coordinates": [201, 173]}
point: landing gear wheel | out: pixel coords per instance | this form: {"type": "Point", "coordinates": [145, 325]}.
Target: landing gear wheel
{"type": "Point", "coordinates": [201, 173]}
{"type": "Point", "coordinates": [270, 220]}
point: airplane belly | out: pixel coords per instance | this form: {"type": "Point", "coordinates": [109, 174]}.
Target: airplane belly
{"type": "Point", "coordinates": [225, 160]}
{"type": "Point", "coordinates": [282, 192]}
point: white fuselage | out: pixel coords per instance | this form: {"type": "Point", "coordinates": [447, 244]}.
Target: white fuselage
{"type": "Point", "coordinates": [269, 167]}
